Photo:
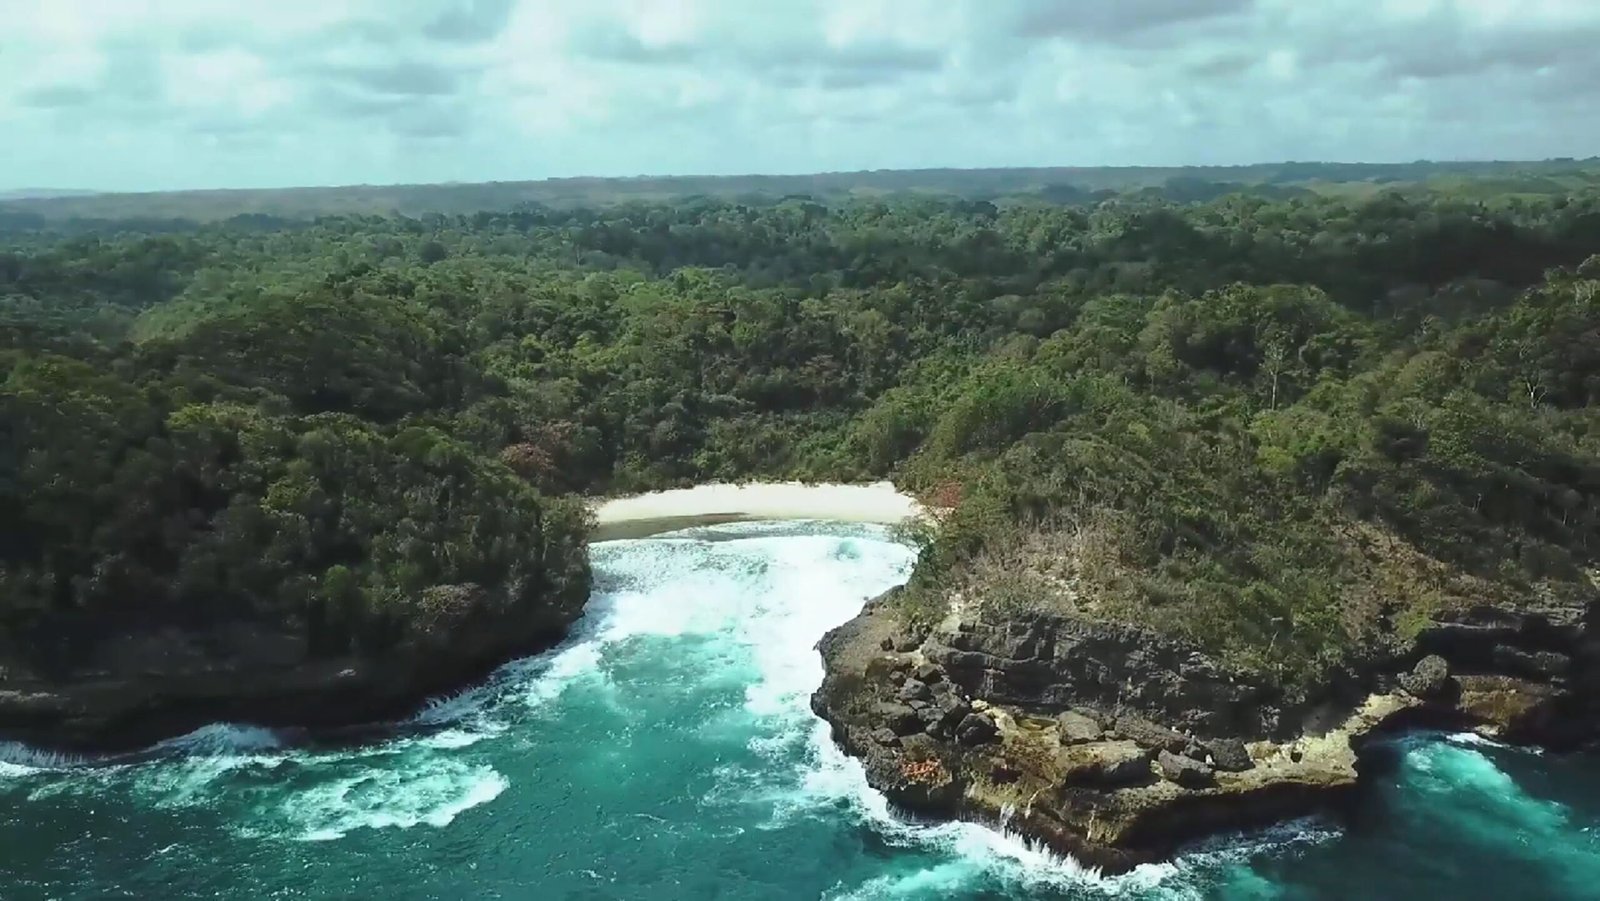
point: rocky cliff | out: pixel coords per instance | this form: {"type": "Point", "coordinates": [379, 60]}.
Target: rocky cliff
{"type": "Point", "coordinates": [113, 686]}
{"type": "Point", "coordinates": [1118, 746]}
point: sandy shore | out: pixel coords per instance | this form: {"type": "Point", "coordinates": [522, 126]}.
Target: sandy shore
{"type": "Point", "coordinates": [663, 511]}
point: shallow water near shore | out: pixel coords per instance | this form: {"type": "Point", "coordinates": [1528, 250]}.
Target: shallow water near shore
{"type": "Point", "coordinates": [667, 751]}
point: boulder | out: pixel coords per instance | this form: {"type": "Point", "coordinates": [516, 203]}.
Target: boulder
{"type": "Point", "coordinates": [905, 643]}
{"type": "Point", "coordinates": [1104, 763]}
{"type": "Point", "coordinates": [915, 690]}
{"type": "Point", "coordinates": [1429, 679]}
{"type": "Point", "coordinates": [1077, 728]}
{"type": "Point", "coordinates": [887, 644]}
{"type": "Point", "coordinates": [898, 718]}
{"type": "Point", "coordinates": [976, 729]}
{"type": "Point", "coordinates": [1150, 734]}
{"type": "Point", "coordinates": [929, 673]}
{"type": "Point", "coordinates": [1185, 771]}
{"type": "Point", "coordinates": [952, 709]}
{"type": "Point", "coordinates": [885, 736]}
{"type": "Point", "coordinates": [1229, 755]}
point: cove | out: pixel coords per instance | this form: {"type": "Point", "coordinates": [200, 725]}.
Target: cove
{"type": "Point", "coordinates": [667, 751]}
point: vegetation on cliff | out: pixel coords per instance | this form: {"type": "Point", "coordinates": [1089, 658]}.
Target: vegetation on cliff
{"type": "Point", "coordinates": [1285, 430]}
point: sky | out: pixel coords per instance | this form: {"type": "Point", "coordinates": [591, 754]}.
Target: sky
{"type": "Point", "coordinates": [172, 94]}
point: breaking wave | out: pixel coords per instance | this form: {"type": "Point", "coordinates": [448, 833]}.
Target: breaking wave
{"type": "Point", "coordinates": [668, 750]}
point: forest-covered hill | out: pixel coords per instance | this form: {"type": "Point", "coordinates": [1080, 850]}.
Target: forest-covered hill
{"type": "Point", "coordinates": [1288, 431]}
{"type": "Point", "coordinates": [1084, 186]}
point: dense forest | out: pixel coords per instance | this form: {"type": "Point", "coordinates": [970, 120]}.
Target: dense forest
{"type": "Point", "coordinates": [1286, 428]}
{"type": "Point", "coordinates": [1078, 185]}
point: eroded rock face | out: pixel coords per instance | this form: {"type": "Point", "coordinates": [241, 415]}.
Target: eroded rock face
{"type": "Point", "coordinates": [1105, 763]}
{"type": "Point", "coordinates": [135, 685]}
{"type": "Point", "coordinates": [1150, 735]}
{"type": "Point", "coordinates": [1118, 747]}
{"type": "Point", "coordinates": [1061, 662]}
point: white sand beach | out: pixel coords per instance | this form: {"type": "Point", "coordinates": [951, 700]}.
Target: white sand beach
{"type": "Point", "coordinates": [643, 515]}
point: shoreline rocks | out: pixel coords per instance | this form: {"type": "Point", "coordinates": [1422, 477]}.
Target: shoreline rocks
{"type": "Point", "coordinates": [136, 688]}
{"type": "Point", "coordinates": [1118, 747]}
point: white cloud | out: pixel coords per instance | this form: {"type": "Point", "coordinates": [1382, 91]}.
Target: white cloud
{"type": "Point", "coordinates": [193, 93]}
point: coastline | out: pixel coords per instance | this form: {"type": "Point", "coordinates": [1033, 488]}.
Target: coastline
{"type": "Point", "coordinates": [644, 515]}
{"type": "Point", "coordinates": [122, 712]}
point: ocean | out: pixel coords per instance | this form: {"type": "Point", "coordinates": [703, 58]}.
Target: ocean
{"type": "Point", "coordinates": [667, 751]}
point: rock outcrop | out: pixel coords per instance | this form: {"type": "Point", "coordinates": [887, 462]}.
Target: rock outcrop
{"type": "Point", "coordinates": [1118, 746]}
{"type": "Point", "coordinates": [1057, 663]}
{"type": "Point", "coordinates": [130, 685]}
{"type": "Point", "coordinates": [1430, 679]}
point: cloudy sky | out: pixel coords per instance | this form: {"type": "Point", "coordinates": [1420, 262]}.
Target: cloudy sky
{"type": "Point", "coordinates": [161, 94]}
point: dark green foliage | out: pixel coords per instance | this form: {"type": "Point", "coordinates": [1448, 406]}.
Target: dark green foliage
{"type": "Point", "coordinates": [266, 209]}
{"type": "Point", "coordinates": [1284, 428]}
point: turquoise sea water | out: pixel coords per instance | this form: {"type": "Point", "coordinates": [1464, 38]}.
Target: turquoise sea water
{"type": "Point", "coordinates": [667, 751]}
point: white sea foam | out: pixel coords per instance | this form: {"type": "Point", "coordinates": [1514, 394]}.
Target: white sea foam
{"type": "Point", "coordinates": [751, 612]}
{"type": "Point", "coordinates": [806, 586]}
{"type": "Point", "coordinates": [17, 759]}
{"type": "Point", "coordinates": [980, 853]}
{"type": "Point", "coordinates": [1473, 738]}
{"type": "Point", "coordinates": [432, 791]}
{"type": "Point", "coordinates": [1444, 769]}
{"type": "Point", "coordinates": [786, 594]}
{"type": "Point", "coordinates": [223, 738]}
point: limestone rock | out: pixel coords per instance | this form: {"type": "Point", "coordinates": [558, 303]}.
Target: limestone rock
{"type": "Point", "coordinates": [915, 690]}
{"type": "Point", "coordinates": [898, 718]}
{"type": "Point", "coordinates": [1068, 661]}
{"type": "Point", "coordinates": [1185, 771]}
{"type": "Point", "coordinates": [1537, 664]}
{"type": "Point", "coordinates": [1429, 679]}
{"type": "Point", "coordinates": [1177, 766]}
{"type": "Point", "coordinates": [1151, 735]}
{"type": "Point", "coordinates": [976, 729]}
{"type": "Point", "coordinates": [1077, 728]}
{"type": "Point", "coordinates": [951, 709]}
{"type": "Point", "coordinates": [1229, 755]}
{"type": "Point", "coordinates": [885, 736]}
{"type": "Point", "coordinates": [1105, 763]}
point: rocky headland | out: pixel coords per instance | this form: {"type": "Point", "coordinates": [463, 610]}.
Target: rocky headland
{"type": "Point", "coordinates": [1118, 746]}
{"type": "Point", "coordinates": [91, 683]}
{"type": "Point", "coordinates": [118, 687]}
